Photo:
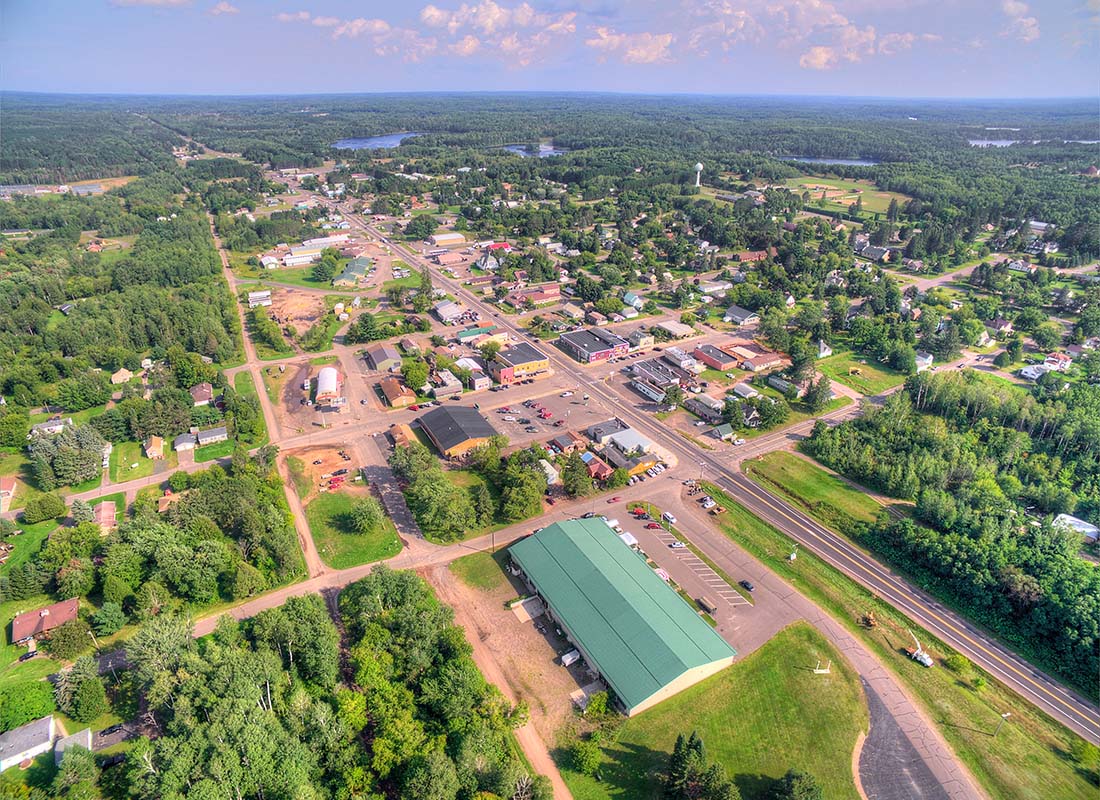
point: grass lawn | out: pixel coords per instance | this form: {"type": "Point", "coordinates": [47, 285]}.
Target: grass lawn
{"type": "Point", "coordinates": [297, 469]}
{"type": "Point", "coordinates": [78, 417]}
{"type": "Point", "coordinates": [246, 387]}
{"type": "Point", "coordinates": [484, 571]}
{"type": "Point", "coordinates": [807, 486]}
{"type": "Point", "coordinates": [340, 549]}
{"type": "Point", "coordinates": [216, 450]}
{"type": "Point", "coordinates": [27, 543]}
{"type": "Point", "coordinates": [1028, 759]}
{"type": "Point", "coordinates": [300, 276]}
{"type": "Point", "coordinates": [872, 378]}
{"type": "Point", "coordinates": [757, 718]}
{"type": "Point", "coordinates": [411, 282]}
{"type": "Point", "coordinates": [874, 199]}
{"type": "Point", "coordinates": [127, 453]}
{"type": "Point", "coordinates": [273, 382]}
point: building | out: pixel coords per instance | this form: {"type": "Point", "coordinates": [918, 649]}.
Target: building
{"type": "Point", "coordinates": [752, 256]}
{"type": "Point", "coordinates": [648, 389]}
{"type": "Point", "coordinates": [211, 436]}
{"type": "Point", "coordinates": [714, 358]}
{"type": "Point", "coordinates": [641, 338]}
{"type": "Point", "coordinates": [724, 432]}
{"type": "Point", "coordinates": [679, 358]}
{"type": "Point", "coordinates": [354, 272]}
{"type": "Point", "coordinates": [448, 311]}
{"type": "Point", "coordinates": [1077, 525]}
{"type": "Point", "coordinates": [543, 294]}
{"type": "Point", "coordinates": [924, 360]}
{"type": "Point", "coordinates": [745, 391]}
{"type": "Point", "coordinates": [185, 441]}
{"type": "Point", "coordinates": [269, 262]}
{"type": "Point", "coordinates": [456, 430]}
{"type": "Point", "coordinates": [25, 742]}
{"type": "Point", "coordinates": [34, 624]}
{"type": "Point", "coordinates": [50, 427]}
{"type": "Point", "coordinates": [519, 362]}
{"type": "Point", "coordinates": [202, 394]}
{"type": "Point", "coordinates": [598, 469]}
{"type": "Point", "coordinates": [329, 384]}
{"type": "Point", "coordinates": [154, 447]}
{"type": "Point", "coordinates": [383, 357]}
{"type": "Point", "coordinates": [7, 492]}
{"type": "Point", "coordinates": [633, 300]}
{"type": "Point", "coordinates": [823, 349]}
{"type": "Point", "coordinates": [553, 478]}
{"type": "Point", "coordinates": [740, 316]}
{"type": "Point", "coordinates": [446, 239]}
{"type": "Point", "coordinates": [1058, 362]}
{"type": "Point", "coordinates": [397, 394]}
{"type": "Point", "coordinates": [259, 298]}
{"type": "Point", "coordinates": [1033, 372]}
{"type": "Point", "coordinates": [705, 407]}
{"type": "Point", "coordinates": [630, 442]}
{"type": "Point", "coordinates": [327, 241]}
{"type": "Point", "coordinates": [446, 383]}
{"type": "Point", "coordinates": [122, 376]}
{"type": "Point", "coordinates": [572, 311]}
{"type": "Point", "coordinates": [592, 344]}
{"type": "Point", "coordinates": [449, 259]}
{"type": "Point", "coordinates": [714, 287]}
{"type": "Point", "coordinates": [785, 386]}
{"type": "Point", "coordinates": [105, 515]}
{"type": "Point", "coordinates": [677, 330]}
{"type": "Point", "coordinates": [630, 627]}
{"type": "Point", "coordinates": [79, 739]}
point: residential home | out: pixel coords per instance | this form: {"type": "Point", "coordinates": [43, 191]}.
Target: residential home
{"type": "Point", "coordinates": [714, 287]}
{"type": "Point", "coordinates": [38, 623]}
{"type": "Point", "coordinates": [594, 317]}
{"type": "Point", "coordinates": [706, 407]}
{"type": "Point", "coordinates": [409, 346]}
{"type": "Point", "coordinates": [924, 360]}
{"type": "Point", "coordinates": [397, 394]}
{"type": "Point", "coordinates": [823, 349]}
{"type": "Point", "coordinates": [105, 513]}
{"type": "Point", "coordinates": [445, 383]}
{"type": "Point", "coordinates": [185, 441]}
{"type": "Point", "coordinates": [745, 391]}
{"type": "Point", "coordinates": [202, 394]}
{"type": "Point", "coordinates": [51, 427]}
{"type": "Point", "coordinates": [723, 432]}
{"type": "Point", "coordinates": [633, 300]}
{"type": "Point", "coordinates": [79, 739]}
{"type": "Point", "coordinates": [1033, 372]}
{"type": "Point", "coordinates": [1086, 529]}
{"type": "Point", "coordinates": [572, 311]}
{"type": "Point", "coordinates": [154, 448]}
{"type": "Point", "coordinates": [999, 327]}
{"type": "Point", "coordinates": [211, 436]}
{"type": "Point", "coordinates": [740, 316]}
{"type": "Point", "coordinates": [1058, 362]}
{"type": "Point", "coordinates": [785, 386]}
{"type": "Point", "coordinates": [7, 492]}
{"type": "Point", "coordinates": [752, 256]}
{"type": "Point", "coordinates": [598, 469]}
{"type": "Point", "coordinates": [23, 744]}
{"type": "Point", "coordinates": [382, 357]}
{"type": "Point", "coordinates": [122, 376]}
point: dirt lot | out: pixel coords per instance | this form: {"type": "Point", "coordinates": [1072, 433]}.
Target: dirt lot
{"type": "Point", "coordinates": [298, 308]}
{"type": "Point", "coordinates": [330, 459]}
{"type": "Point", "coordinates": [526, 658]}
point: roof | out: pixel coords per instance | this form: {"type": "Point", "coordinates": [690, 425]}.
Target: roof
{"type": "Point", "coordinates": [632, 626]}
{"type": "Point", "coordinates": [738, 314]}
{"type": "Point", "coordinates": [32, 623]}
{"type": "Point", "coordinates": [380, 353]}
{"type": "Point", "coordinates": [220, 432]}
{"type": "Point", "coordinates": [202, 392]}
{"type": "Point", "coordinates": [80, 738]}
{"type": "Point", "coordinates": [26, 737]}
{"type": "Point", "coordinates": [593, 340]}
{"type": "Point", "coordinates": [450, 426]}
{"type": "Point", "coordinates": [521, 353]}
{"type": "Point", "coordinates": [395, 390]}
{"type": "Point", "coordinates": [713, 352]}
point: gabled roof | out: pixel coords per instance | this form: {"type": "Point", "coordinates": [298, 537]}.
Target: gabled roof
{"type": "Point", "coordinates": [27, 737]}
{"type": "Point", "coordinates": [32, 623]}
{"type": "Point", "coordinates": [631, 625]}
{"type": "Point", "coordinates": [450, 426]}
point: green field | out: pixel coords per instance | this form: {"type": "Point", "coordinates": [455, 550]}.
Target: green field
{"type": "Point", "coordinates": [214, 451]}
{"type": "Point", "coordinates": [758, 718]}
{"type": "Point", "coordinates": [1028, 759]}
{"type": "Point", "coordinates": [337, 547]}
{"type": "Point", "coordinates": [244, 386]}
{"type": "Point", "coordinates": [125, 454]}
{"type": "Point", "coordinates": [874, 199]}
{"type": "Point", "coordinates": [296, 276]}
{"type": "Point", "coordinates": [872, 378]}
{"type": "Point", "coordinates": [27, 543]}
{"type": "Point", "coordinates": [484, 571]}
{"type": "Point", "coordinates": [819, 493]}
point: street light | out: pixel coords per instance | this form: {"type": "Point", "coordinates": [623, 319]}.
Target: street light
{"type": "Point", "coordinates": [1001, 723]}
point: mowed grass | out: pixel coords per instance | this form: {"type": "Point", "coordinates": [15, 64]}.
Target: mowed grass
{"type": "Point", "coordinates": [214, 451]}
{"type": "Point", "coordinates": [246, 387]}
{"type": "Point", "coordinates": [27, 543]}
{"type": "Point", "coordinates": [757, 718]}
{"type": "Point", "coordinates": [866, 378]}
{"type": "Point", "coordinates": [484, 571]}
{"type": "Point", "coordinates": [337, 546]}
{"type": "Point", "coordinates": [807, 486]}
{"type": "Point", "coordinates": [126, 454]}
{"type": "Point", "coordinates": [874, 199]}
{"type": "Point", "coordinates": [1029, 757]}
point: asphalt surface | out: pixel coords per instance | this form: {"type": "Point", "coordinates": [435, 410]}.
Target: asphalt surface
{"type": "Point", "coordinates": [890, 768]}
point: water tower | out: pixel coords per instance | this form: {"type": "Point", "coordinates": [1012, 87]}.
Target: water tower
{"type": "Point", "coordinates": [698, 172]}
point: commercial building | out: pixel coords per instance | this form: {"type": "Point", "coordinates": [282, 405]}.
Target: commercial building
{"type": "Point", "coordinates": [715, 358]}
{"type": "Point", "coordinates": [592, 344]}
{"type": "Point", "coordinates": [630, 627]}
{"type": "Point", "coordinates": [677, 330]}
{"type": "Point", "coordinates": [32, 624]}
{"type": "Point", "coordinates": [383, 357]}
{"type": "Point", "coordinates": [329, 384]}
{"type": "Point", "coordinates": [448, 311]}
{"type": "Point", "coordinates": [25, 742]}
{"type": "Point", "coordinates": [519, 362]}
{"type": "Point", "coordinates": [456, 430]}
{"type": "Point", "coordinates": [354, 273]}
{"type": "Point", "coordinates": [397, 394]}
{"type": "Point", "coordinates": [446, 239]}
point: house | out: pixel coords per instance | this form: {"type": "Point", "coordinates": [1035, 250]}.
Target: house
{"type": "Point", "coordinates": [714, 287]}
{"type": "Point", "coordinates": [745, 391]}
{"type": "Point", "coordinates": [446, 239]}
{"type": "Point", "coordinates": [7, 492]}
{"type": "Point", "coordinates": [211, 436]}
{"type": "Point", "coordinates": [633, 463]}
{"type": "Point", "coordinates": [1022, 267]}
{"type": "Point", "coordinates": [409, 346]}
{"type": "Point", "coordinates": [677, 330]}
{"type": "Point", "coordinates": [449, 259]}
{"type": "Point", "coordinates": [456, 430]}
{"type": "Point", "coordinates": [924, 360]}
{"type": "Point", "coordinates": [724, 432]}
{"type": "Point", "coordinates": [632, 629]}
{"type": "Point", "coordinates": [185, 441]}
{"type": "Point", "coordinates": [35, 624]}
{"type": "Point", "coordinates": [633, 300]}
{"type": "Point", "coordinates": [51, 427]}
{"type": "Point", "coordinates": [541, 295]}
{"type": "Point", "coordinates": [572, 311]}
{"type": "Point", "coordinates": [874, 253]}
{"type": "Point", "coordinates": [714, 358]}
{"type": "Point", "coordinates": [1034, 371]}
{"type": "Point", "coordinates": [448, 311]}
{"type": "Point", "coordinates": [752, 256]}
{"type": "Point", "coordinates": [26, 742]}
{"type": "Point", "coordinates": [706, 407]}
{"type": "Point", "coordinates": [785, 386]}
{"type": "Point", "coordinates": [601, 432]}
{"type": "Point", "coordinates": [79, 739]}
{"type": "Point", "coordinates": [105, 514]}
{"type": "Point", "coordinates": [202, 394]}
{"type": "Point", "coordinates": [594, 317]}
{"type": "Point", "coordinates": [592, 344]}
{"type": "Point", "coordinates": [553, 477]}
{"type": "Point", "coordinates": [823, 349]}
{"type": "Point", "coordinates": [397, 394]}
{"type": "Point", "coordinates": [598, 469]}
{"type": "Point", "coordinates": [1077, 525]}
{"type": "Point", "coordinates": [329, 384]}
{"type": "Point", "coordinates": [382, 357]}
{"type": "Point", "coordinates": [740, 316]}
{"type": "Point", "coordinates": [122, 376]}
{"type": "Point", "coordinates": [640, 338]}
{"type": "Point", "coordinates": [758, 360]}
{"type": "Point", "coordinates": [999, 327]}
{"type": "Point", "coordinates": [488, 262]}
{"type": "Point", "coordinates": [259, 298]}
{"type": "Point", "coordinates": [519, 362]}
{"type": "Point", "coordinates": [1058, 362]}
{"type": "Point", "coordinates": [154, 447]}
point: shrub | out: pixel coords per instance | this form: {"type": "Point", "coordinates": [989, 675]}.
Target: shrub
{"type": "Point", "coordinates": [43, 507]}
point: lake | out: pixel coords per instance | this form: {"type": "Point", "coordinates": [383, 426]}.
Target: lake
{"type": "Point", "coordinates": [1009, 142]}
{"type": "Point", "coordinates": [545, 150]}
{"type": "Point", "coordinates": [846, 162]}
{"type": "Point", "coordinates": [385, 141]}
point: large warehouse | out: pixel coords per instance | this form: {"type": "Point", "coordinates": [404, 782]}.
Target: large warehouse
{"type": "Point", "coordinates": [631, 627]}
{"type": "Point", "coordinates": [456, 430]}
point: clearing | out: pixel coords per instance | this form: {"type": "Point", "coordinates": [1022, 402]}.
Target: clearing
{"type": "Point", "coordinates": [860, 373]}
{"type": "Point", "coordinates": [840, 193]}
{"type": "Point", "coordinates": [128, 462]}
{"type": "Point", "coordinates": [340, 547]}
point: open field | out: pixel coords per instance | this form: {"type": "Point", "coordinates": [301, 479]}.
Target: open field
{"type": "Point", "coordinates": [840, 193]}
{"type": "Point", "coordinates": [758, 719]}
{"type": "Point", "coordinates": [338, 546]}
{"type": "Point", "coordinates": [807, 486]}
{"type": "Point", "coordinates": [484, 571]}
{"type": "Point", "coordinates": [1029, 757]}
{"type": "Point", "coordinates": [214, 451]}
{"type": "Point", "coordinates": [860, 373]}
{"type": "Point", "coordinates": [126, 454]}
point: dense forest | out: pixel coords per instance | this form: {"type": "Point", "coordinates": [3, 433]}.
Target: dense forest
{"type": "Point", "coordinates": [988, 465]}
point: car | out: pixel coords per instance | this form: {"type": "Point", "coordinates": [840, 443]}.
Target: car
{"type": "Point", "coordinates": [700, 423]}
{"type": "Point", "coordinates": [318, 461]}
{"type": "Point", "coordinates": [677, 545]}
{"type": "Point", "coordinates": [531, 429]}
{"type": "Point", "coordinates": [414, 408]}
{"type": "Point", "coordinates": [362, 402]}
{"type": "Point", "coordinates": [510, 418]}
{"type": "Point", "coordinates": [27, 656]}
{"type": "Point", "coordinates": [456, 397]}
{"type": "Point", "coordinates": [747, 585]}
{"type": "Point", "coordinates": [112, 729]}
{"type": "Point", "coordinates": [615, 499]}
{"type": "Point", "coordinates": [566, 394]}
{"type": "Point", "coordinates": [559, 423]}
{"type": "Point", "coordinates": [524, 421]}
{"type": "Point", "coordinates": [550, 501]}
{"type": "Point", "coordinates": [653, 526]}
{"type": "Point", "coordinates": [588, 515]}
{"type": "Point", "coordinates": [669, 517]}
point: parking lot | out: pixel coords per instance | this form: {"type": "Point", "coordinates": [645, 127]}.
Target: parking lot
{"type": "Point", "coordinates": [573, 412]}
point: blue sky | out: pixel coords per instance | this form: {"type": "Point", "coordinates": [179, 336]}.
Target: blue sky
{"type": "Point", "coordinates": [944, 48]}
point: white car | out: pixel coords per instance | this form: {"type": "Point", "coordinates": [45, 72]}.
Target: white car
{"type": "Point", "coordinates": [566, 394]}
{"type": "Point", "coordinates": [668, 517]}
{"type": "Point", "coordinates": [677, 545]}
{"type": "Point", "coordinates": [509, 418]}
{"type": "Point", "coordinates": [738, 442]}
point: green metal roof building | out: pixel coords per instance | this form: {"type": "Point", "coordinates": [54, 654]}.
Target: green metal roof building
{"type": "Point", "coordinates": [630, 626]}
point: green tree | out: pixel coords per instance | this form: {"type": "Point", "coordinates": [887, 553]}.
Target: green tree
{"type": "Point", "coordinates": [24, 701]}
{"type": "Point", "coordinates": [77, 776]}
{"type": "Point", "coordinates": [69, 640]}
{"type": "Point", "coordinates": [89, 700]}
{"type": "Point", "coordinates": [617, 479]}
{"type": "Point", "coordinates": [1048, 335]}
{"type": "Point", "coordinates": [585, 756]}
{"type": "Point", "coordinates": [108, 619]}
{"type": "Point", "coordinates": [431, 777]}
{"type": "Point", "coordinates": [818, 395]}
{"type": "Point", "coordinates": [43, 507]}
{"type": "Point", "coordinates": [797, 785]}
{"type": "Point", "coordinates": [484, 509]}
{"type": "Point", "coordinates": [574, 476]}
{"type": "Point", "coordinates": [81, 511]}
{"type": "Point", "coordinates": [415, 374]}
{"type": "Point", "coordinates": [366, 515]}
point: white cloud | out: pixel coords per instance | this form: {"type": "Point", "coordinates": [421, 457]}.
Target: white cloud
{"type": "Point", "coordinates": [632, 48]}
{"type": "Point", "coordinates": [466, 46]}
{"type": "Point", "coordinates": [223, 8]}
{"type": "Point", "coordinates": [819, 57]}
{"type": "Point", "coordinates": [151, 3]}
{"type": "Point", "coordinates": [326, 22]}
{"type": "Point", "coordinates": [1020, 25]}
{"type": "Point", "coordinates": [355, 28]}
{"type": "Point", "coordinates": [434, 17]}
{"type": "Point", "coordinates": [295, 16]}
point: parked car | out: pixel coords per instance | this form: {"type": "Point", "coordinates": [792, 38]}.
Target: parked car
{"type": "Point", "coordinates": [615, 499]}
{"type": "Point", "coordinates": [747, 585]}
{"type": "Point", "coordinates": [738, 442]}
{"type": "Point", "coordinates": [653, 526]}
{"type": "Point", "coordinates": [566, 394]}
{"type": "Point", "coordinates": [677, 545]}
{"type": "Point", "coordinates": [669, 517]}
{"type": "Point", "coordinates": [27, 656]}
{"type": "Point", "coordinates": [112, 729]}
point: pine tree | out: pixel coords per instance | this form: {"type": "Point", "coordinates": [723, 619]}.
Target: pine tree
{"type": "Point", "coordinates": [677, 769]}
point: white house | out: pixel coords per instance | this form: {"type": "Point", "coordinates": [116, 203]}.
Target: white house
{"type": "Point", "coordinates": [25, 742]}
{"type": "Point", "coordinates": [924, 361]}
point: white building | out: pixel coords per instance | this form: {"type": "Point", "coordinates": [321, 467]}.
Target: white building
{"type": "Point", "coordinates": [25, 742]}
{"type": "Point", "coordinates": [445, 239]}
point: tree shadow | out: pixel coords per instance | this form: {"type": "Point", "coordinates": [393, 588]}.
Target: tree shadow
{"type": "Point", "coordinates": [756, 787]}
{"type": "Point", "coordinates": [632, 770]}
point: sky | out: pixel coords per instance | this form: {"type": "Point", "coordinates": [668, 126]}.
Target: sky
{"type": "Point", "coordinates": [893, 48]}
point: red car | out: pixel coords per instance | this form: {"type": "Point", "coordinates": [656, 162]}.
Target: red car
{"type": "Point", "coordinates": [545, 415]}
{"type": "Point", "coordinates": [653, 526]}
{"type": "Point", "coordinates": [614, 500]}
{"type": "Point", "coordinates": [414, 408]}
